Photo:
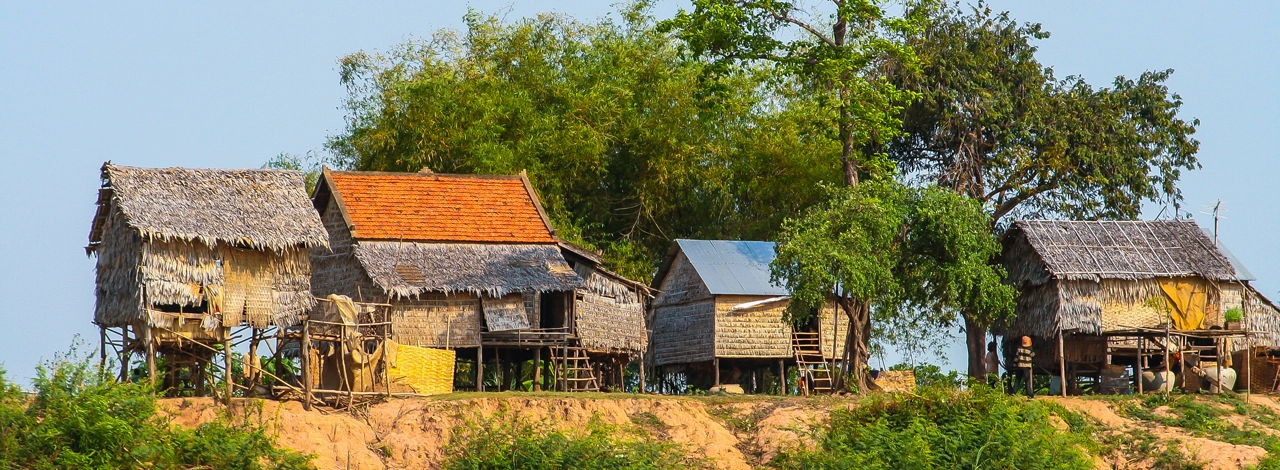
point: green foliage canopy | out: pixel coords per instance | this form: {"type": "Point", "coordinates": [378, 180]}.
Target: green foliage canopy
{"type": "Point", "coordinates": [993, 123]}
{"type": "Point", "coordinates": [838, 59]}
{"type": "Point", "coordinates": [621, 135]}
{"type": "Point", "coordinates": [909, 258]}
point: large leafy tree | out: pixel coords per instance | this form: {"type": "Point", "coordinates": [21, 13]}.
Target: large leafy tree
{"type": "Point", "coordinates": [890, 255]}
{"type": "Point", "coordinates": [992, 123]}
{"type": "Point", "coordinates": [837, 56]}
{"type": "Point", "coordinates": [629, 143]}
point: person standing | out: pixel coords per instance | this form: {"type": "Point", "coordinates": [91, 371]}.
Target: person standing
{"type": "Point", "coordinates": [993, 365]}
{"type": "Point", "coordinates": [1023, 361]}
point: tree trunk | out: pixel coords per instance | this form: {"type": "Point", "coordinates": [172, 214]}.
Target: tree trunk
{"type": "Point", "coordinates": [976, 342]}
{"type": "Point", "coordinates": [857, 352]}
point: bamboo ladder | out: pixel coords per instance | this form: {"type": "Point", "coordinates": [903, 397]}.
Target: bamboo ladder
{"type": "Point", "coordinates": [809, 360]}
{"type": "Point", "coordinates": [573, 368]}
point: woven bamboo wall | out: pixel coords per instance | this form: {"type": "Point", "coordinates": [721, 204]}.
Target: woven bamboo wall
{"type": "Point", "coordinates": [683, 317]}
{"type": "Point", "coordinates": [338, 271]}
{"type": "Point", "coordinates": [754, 332]}
{"type": "Point", "coordinates": [423, 370]}
{"type": "Point", "coordinates": [684, 333]}
{"type": "Point", "coordinates": [824, 330]}
{"type": "Point", "coordinates": [682, 284]}
{"type": "Point", "coordinates": [608, 324]}
{"type": "Point", "coordinates": [437, 321]}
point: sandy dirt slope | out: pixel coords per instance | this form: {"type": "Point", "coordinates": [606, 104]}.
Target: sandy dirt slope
{"type": "Point", "coordinates": [414, 433]}
{"type": "Point", "coordinates": [1215, 455]}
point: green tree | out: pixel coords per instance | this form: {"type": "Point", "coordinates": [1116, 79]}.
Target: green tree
{"type": "Point", "coordinates": [838, 60]}
{"type": "Point", "coordinates": [992, 123]}
{"type": "Point", "coordinates": [894, 255]}
{"type": "Point", "coordinates": [626, 140]}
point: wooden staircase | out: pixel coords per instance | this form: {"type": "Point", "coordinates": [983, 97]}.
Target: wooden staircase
{"type": "Point", "coordinates": [573, 369]}
{"type": "Point", "coordinates": [810, 362]}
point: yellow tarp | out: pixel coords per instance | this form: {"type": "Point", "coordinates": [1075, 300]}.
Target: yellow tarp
{"type": "Point", "coordinates": [1188, 299]}
{"type": "Point", "coordinates": [424, 370]}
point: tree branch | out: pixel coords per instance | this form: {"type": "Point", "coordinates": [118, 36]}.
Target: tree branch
{"type": "Point", "coordinates": [1013, 202]}
{"type": "Point", "coordinates": [803, 25]}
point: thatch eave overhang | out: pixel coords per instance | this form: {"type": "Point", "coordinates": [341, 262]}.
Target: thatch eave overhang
{"type": "Point", "coordinates": [407, 269]}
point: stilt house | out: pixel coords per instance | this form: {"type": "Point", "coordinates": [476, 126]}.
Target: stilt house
{"type": "Point", "coordinates": [184, 255]}
{"type": "Point", "coordinates": [471, 263]}
{"type": "Point", "coordinates": [718, 319]}
{"type": "Point", "coordinates": [1100, 293]}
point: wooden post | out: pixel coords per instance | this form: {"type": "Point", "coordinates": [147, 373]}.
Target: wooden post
{"type": "Point", "coordinates": [1138, 368]}
{"type": "Point", "coordinates": [102, 351]}
{"type": "Point", "coordinates": [518, 377]}
{"type": "Point", "coordinates": [480, 368]}
{"type": "Point", "coordinates": [782, 377]}
{"type": "Point", "coordinates": [537, 369]}
{"type": "Point", "coordinates": [497, 366]}
{"type": "Point", "coordinates": [151, 353]}
{"type": "Point", "coordinates": [1248, 364]}
{"type": "Point", "coordinates": [715, 364]}
{"type": "Point", "coordinates": [305, 361]}
{"type": "Point", "coordinates": [1062, 367]}
{"type": "Point", "coordinates": [253, 363]}
{"type": "Point", "coordinates": [1168, 368]}
{"type": "Point", "coordinates": [125, 354]}
{"type": "Point", "coordinates": [641, 389]}
{"type": "Point", "coordinates": [226, 361]}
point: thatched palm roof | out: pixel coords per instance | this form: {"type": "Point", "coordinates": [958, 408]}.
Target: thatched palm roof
{"type": "Point", "coordinates": [408, 268]}
{"type": "Point", "coordinates": [261, 209]}
{"type": "Point", "coordinates": [1128, 250]}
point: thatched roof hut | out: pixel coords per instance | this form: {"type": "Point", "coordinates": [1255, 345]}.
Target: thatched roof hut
{"type": "Point", "coordinates": [231, 245]}
{"type": "Point", "coordinates": [451, 253]}
{"type": "Point", "coordinates": [716, 300]}
{"type": "Point", "coordinates": [1095, 276]}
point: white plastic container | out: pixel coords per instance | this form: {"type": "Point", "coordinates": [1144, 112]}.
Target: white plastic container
{"type": "Point", "coordinates": [1211, 378]}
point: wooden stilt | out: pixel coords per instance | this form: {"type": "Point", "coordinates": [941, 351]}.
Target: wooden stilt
{"type": "Point", "coordinates": [252, 370]}
{"type": "Point", "coordinates": [125, 353]}
{"type": "Point", "coordinates": [305, 360]}
{"type": "Point", "coordinates": [102, 351]}
{"type": "Point", "coordinates": [226, 361]}
{"type": "Point", "coordinates": [641, 388]}
{"type": "Point", "coordinates": [480, 369]}
{"type": "Point", "coordinates": [782, 377]}
{"type": "Point", "coordinates": [715, 363]}
{"type": "Point", "coordinates": [151, 353]}
{"type": "Point", "coordinates": [1062, 367]}
{"type": "Point", "coordinates": [1138, 368]}
{"type": "Point", "coordinates": [537, 369]}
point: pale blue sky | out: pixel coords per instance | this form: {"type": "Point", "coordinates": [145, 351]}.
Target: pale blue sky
{"type": "Point", "coordinates": [164, 84]}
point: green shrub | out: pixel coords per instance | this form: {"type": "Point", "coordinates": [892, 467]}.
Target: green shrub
{"type": "Point", "coordinates": [498, 443]}
{"type": "Point", "coordinates": [944, 428]}
{"type": "Point", "coordinates": [1233, 314]}
{"type": "Point", "coordinates": [80, 418]}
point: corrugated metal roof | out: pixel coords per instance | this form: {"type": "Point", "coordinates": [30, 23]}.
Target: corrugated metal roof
{"type": "Point", "coordinates": [730, 267]}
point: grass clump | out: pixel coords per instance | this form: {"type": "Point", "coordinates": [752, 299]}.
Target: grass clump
{"type": "Point", "coordinates": [500, 443]}
{"type": "Point", "coordinates": [946, 428]}
{"type": "Point", "coordinates": [79, 418]}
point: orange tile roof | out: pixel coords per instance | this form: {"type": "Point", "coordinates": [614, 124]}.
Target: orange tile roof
{"type": "Point", "coordinates": [425, 207]}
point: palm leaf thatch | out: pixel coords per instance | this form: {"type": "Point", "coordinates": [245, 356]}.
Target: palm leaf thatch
{"type": "Point", "coordinates": [1068, 270]}
{"type": "Point", "coordinates": [405, 269]}
{"type": "Point", "coordinates": [231, 244]}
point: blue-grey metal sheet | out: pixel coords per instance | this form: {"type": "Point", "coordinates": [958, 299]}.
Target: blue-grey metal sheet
{"type": "Point", "coordinates": [731, 267]}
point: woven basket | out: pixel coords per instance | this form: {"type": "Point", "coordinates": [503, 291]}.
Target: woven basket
{"type": "Point", "coordinates": [426, 371]}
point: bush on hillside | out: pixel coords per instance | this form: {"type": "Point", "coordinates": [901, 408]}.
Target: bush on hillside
{"type": "Point", "coordinates": [80, 418]}
{"type": "Point", "coordinates": [943, 428]}
{"type": "Point", "coordinates": [497, 443]}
